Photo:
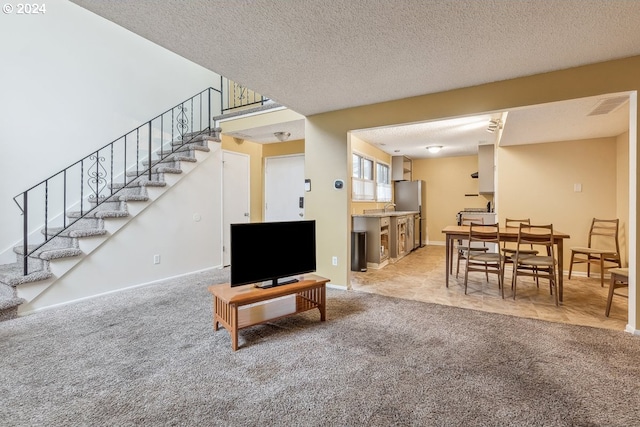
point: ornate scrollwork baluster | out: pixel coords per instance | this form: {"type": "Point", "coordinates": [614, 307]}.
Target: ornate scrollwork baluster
{"type": "Point", "coordinates": [182, 121]}
{"type": "Point", "coordinates": [97, 176]}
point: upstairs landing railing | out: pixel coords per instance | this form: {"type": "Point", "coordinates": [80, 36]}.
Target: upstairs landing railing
{"type": "Point", "coordinates": [238, 97]}
{"type": "Point", "coordinates": [91, 181]}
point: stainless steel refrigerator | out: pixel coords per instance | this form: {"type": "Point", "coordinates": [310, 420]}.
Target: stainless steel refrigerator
{"type": "Point", "coordinates": [412, 196]}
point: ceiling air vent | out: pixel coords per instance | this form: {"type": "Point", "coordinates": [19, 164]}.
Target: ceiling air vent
{"type": "Point", "coordinates": [608, 105]}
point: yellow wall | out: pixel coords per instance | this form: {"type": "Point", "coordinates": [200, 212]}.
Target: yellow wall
{"type": "Point", "coordinates": [283, 148]}
{"type": "Point", "coordinates": [537, 181]}
{"type": "Point", "coordinates": [257, 153]}
{"type": "Point", "coordinates": [327, 146]}
{"type": "Point", "coordinates": [361, 147]}
{"type": "Point", "coordinates": [448, 180]}
{"type": "Point", "coordinates": [254, 150]}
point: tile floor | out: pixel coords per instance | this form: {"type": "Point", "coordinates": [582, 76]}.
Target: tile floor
{"type": "Point", "coordinates": [421, 276]}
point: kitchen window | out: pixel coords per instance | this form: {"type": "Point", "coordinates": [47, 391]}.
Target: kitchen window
{"type": "Point", "coordinates": [362, 183]}
{"type": "Point", "coordinates": [383, 180]}
{"type": "Point", "coordinates": [370, 180]}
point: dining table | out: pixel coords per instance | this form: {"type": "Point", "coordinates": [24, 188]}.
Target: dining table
{"type": "Point", "coordinates": [507, 234]}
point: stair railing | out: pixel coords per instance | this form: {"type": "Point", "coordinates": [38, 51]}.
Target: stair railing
{"type": "Point", "coordinates": [237, 96]}
{"type": "Point", "coordinates": [92, 181]}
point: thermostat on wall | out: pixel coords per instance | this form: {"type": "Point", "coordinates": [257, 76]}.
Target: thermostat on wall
{"type": "Point", "coordinates": [338, 184]}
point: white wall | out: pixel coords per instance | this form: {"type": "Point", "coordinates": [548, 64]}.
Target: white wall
{"type": "Point", "coordinates": [71, 82]}
{"type": "Point", "coordinates": [183, 226]}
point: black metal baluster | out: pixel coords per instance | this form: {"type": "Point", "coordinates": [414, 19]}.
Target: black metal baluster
{"type": "Point", "coordinates": [64, 198]}
{"type": "Point", "coordinates": [97, 177]}
{"type": "Point", "coordinates": [81, 186]}
{"type": "Point", "coordinates": [137, 152]}
{"type": "Point", "coordinates": [25, 233]}
{"type": "Point", "coordinates": [46, 210]}
{"type": "Point", "coordinates": [149, 151]}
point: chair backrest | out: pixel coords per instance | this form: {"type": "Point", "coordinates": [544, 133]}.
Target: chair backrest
{"type": "Point", "coordinates": [514, 223]}
{"type": "Point", "coordinates": [483, 233]}
{"type": "Point", "coordinates": [603, 234]}
{"type": "Point", "coordinates": [465, 220]}
{"type": "Point", "coordinates": [541, 235]}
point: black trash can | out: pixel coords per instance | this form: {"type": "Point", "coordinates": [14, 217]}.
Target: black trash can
{"type": "Point", "coordinates": [358, 251]}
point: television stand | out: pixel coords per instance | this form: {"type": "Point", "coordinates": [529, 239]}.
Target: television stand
{"type": "Point", "coordinates": [275, 282]}
{"type": "Point", "coordinates": [242, 306]}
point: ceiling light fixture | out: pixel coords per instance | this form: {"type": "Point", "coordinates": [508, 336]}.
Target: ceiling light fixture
{"type": "Point", "coordinates": [434, 148]}
{"type": "Point", "coordinates": [494, 124]}
{"type": "Point", "coordinates": [282, 136]}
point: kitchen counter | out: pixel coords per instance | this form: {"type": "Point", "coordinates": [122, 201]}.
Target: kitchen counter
{"type": "Point", "coordinates": [382, 214]}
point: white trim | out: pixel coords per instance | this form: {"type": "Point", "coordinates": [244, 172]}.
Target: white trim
{"type": "Point", "coordinates": [153, 282]}
{"type": "Point", "coordinates": [339, 287]}
{"type": "Point", "coordinates": [633, 177]}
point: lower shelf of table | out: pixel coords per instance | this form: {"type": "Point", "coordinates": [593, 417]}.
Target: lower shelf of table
{"type": "Point", "coordinates": [257, 313]}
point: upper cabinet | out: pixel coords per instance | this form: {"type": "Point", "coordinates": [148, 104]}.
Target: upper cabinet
{"type": "Point", "coordinates": [400, 168]}
{"type": "Point", "coordinates": [486, 183]}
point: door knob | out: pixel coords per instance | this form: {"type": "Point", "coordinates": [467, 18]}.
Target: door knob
{"type": "Point", "coordinates": [301, 214]}
{"type": "Point", "coordinates": [246, 214]}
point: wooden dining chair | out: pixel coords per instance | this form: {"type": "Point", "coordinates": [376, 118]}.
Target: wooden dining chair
{"type": "Point", "coordinates": [538, 266]}
{"type": "Point", "coordinates": [463, 247]}
{"type": "Point", "coordinates": [602, 247]}
{"type": "Point", "coordinates": [509, 252]}
{"type": "Point", "coordinates": [484, 261]}
{"type": "Point", "coordinates": [619, 279]}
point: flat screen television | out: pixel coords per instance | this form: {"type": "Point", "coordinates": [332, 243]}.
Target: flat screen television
{"type": "Point", "coordinates": [272, 252]}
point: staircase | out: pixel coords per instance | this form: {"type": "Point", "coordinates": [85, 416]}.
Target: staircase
{"type": "Point", "coordinates": [107, 199]}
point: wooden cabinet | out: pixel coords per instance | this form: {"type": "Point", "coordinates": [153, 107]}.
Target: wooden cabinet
{"type": "Point", "coordinates": [401, 167]}
{"type": "Point", "coordinates": [486, 168]}
{"type": "Point", "coordinates": [377, 229]}
{"type": "Point", "coordinates": [401, 236]}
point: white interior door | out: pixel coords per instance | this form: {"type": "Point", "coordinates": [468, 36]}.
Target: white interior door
{"type": "Point", "coordinates": [235, 196]}
{"type": "Point", "coordinates": [284, 188]}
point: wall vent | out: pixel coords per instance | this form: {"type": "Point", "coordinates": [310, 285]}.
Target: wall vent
{"type": "Point", "coordinates": [606, 106]}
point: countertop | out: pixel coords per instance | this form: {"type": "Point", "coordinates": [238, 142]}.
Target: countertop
{"type": "Point", "coordinates": [383, 214]}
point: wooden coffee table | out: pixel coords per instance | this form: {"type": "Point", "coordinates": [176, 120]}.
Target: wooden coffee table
{"type": "Point", "coordinates": [243, 306]}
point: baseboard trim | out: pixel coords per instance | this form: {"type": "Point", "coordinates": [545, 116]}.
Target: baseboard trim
{"type": "Point", "coordinates": [630, 329]}
{"type": "Point", "coordinates": [140, 285]}
{"type": "Point", "coordinates": [334, 286]}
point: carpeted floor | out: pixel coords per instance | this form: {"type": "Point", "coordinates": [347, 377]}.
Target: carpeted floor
{"type": "Point", "coordinates": [149, 356]}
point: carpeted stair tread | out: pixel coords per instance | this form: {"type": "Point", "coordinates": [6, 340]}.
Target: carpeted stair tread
{"type": "Point", "coordinates": [171, 159]}
{"type": "Point", "coordinates": [141, 182]}
{"type": "Point", "coordinates": [99, 214]}
{"type": "Point", "coordinates": [83, 232]}
{"type": "Point", "coordinates": [7, 303]}
{"type": "Point", "coordinates": [133, 198]}
{"type": "Point", "coordinates": [11, 274]}
{"type": "Point", "coordinates": [48, 253]}
{"type": "Point", "coordinates": [160, 169]}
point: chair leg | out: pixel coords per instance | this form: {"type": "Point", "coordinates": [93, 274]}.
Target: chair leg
{"type": "Point", "coordinates": [610, 296]}
{"type": "Point", "coordinates": [601, 271]}
{"type": "Point", "coordinates": [571, 264]}
{"type": "Point", "coordinates": [466, 276]}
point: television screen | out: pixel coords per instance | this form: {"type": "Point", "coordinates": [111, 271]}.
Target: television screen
{"type": "Point", "coordinates": [268, 251]}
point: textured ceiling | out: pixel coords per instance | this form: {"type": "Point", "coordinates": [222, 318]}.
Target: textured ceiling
{"type": "Point", "coordinates": [315, 56]}
{"type": "Point", "coordinates": [322, 55]}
